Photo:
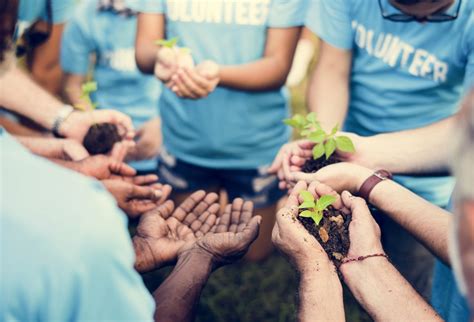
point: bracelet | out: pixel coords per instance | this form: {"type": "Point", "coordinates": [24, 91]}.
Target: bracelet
{"type": "Point", "coordinates": [369, 184]}
{"type": "Point", "coordinates": [63, 114]}
{"type": "Point", "coordinates": [361, 258]}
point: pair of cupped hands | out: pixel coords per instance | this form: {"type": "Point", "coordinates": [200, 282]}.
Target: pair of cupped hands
{"type": "Point", "coordinates": [176, 69]}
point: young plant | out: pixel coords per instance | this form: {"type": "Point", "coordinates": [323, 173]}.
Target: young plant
{"type": "Point", "coordinates": [326, 143]}
{"type": "Point", "coordinates": [171, 53]}
{"type": "Point", "coordinates": [314, 208]}
{"type": "Point", "coordinates": [86, 89]}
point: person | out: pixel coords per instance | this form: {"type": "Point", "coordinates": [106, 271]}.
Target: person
{"type": "Point", "coordinates": [38, 36]}
{"type": "Point", "coordinates": [304, 54]}
{"type": "Point", "coordinates": [106, 29]}
{"type": "Point", "coordinates": [84, 268]}
{"type": "Point", "coordinates": [222, 118]}
{"type": "Point", "coordinates": [410, 151]}
{"type": "Point", "coordinates": [372, 279]}
{"type": "Point", "coordinates": [385, 67]}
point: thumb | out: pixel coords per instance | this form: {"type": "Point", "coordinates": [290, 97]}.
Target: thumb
{"type": "Point", "coordinates": [250, 232]}
{"type": "Point", "coordinates": [140, 192]}
{"type": "Point", "coordinates": [358, 206]}
{"type": "Point", "coordinates": [117, 118]}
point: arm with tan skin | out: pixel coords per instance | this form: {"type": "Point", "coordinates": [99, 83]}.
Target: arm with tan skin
{"type": "Point", "coordinates": [72, 91]}
{"type": "Point", "coordinates": [375, 283]}
{"type": "Point", "coordinates": [328, 90]}
{"type": "Point", "coordinates": [65, 149]}
{"type": "Point", "coordinates": [150, 27]}
{"type": "Point", "coordinates": [44, 62]}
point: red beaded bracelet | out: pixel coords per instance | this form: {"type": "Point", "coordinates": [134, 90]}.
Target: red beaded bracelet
{"type": "Point", "coordinates": [361, 258]}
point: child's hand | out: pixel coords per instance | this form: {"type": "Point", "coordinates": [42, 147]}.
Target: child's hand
{"type": "Point", "coordinates": [169, 60]}
{"type": "Point", "coordinates": [195, 83]}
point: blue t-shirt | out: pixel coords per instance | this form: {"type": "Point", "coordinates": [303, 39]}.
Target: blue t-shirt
{"type": "Point", "coordinates": [30, 11]}
{"type": "Point", "coordinates": [404, 75]}
{"type": "Point", "coordinates": [66, 255]}
{"type": "Point", "coordinates": [230, 129]}
{"type": "Point", "coordinates": [121, 85]}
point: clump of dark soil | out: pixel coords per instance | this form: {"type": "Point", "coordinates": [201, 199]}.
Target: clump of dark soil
{"type": "Point", "coordinates": [312, 166]}
{"type": "Point", "coordinates": [332, 233]}
{"type": "Point", "coordinates": [101, 138]}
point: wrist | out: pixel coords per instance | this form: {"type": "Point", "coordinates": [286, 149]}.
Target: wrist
{"type": "Point", "coordinates": [356, 272]}
{"type": "Point", "coordinates": [201, 260]}
{"type": "Point", "coordinates": [60, 118]}
{"type": "Point", "coordinates": [313, 268]}
{"type": "Point", "coordinates": [361, 175]}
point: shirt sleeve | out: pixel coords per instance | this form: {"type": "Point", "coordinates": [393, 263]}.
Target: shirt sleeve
{"type": "Point", "coordinates": [331, 21]}
{"type": "Point", "coordinates": [146, 6]}
{"type": "Point", "coordinates": [77, 43]}
{"type": "Point", "coordinates": [61, 10]}
{"type": "Point", "coordinates": [108, 287]}
{"type": "Point", "coordinates": [287, 13]}
{"type": "Point", "coordinates": [469, 53]}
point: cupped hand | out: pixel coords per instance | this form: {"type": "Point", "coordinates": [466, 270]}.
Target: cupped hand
{"type": "Point", "coordinates": [195, 83]}
{"type": "Point", "coordinates": [72, 150]}
{"type": "Point", "coordinates": [133, 199]}
{"type": "Point", "coordinates": [78, 123]}
{"type": "Point", "coordinates": [103, 167]}
{"type": "Point", "coordinates": [231, 236]}
{"type": "Point", "coordinates": [164, 231]}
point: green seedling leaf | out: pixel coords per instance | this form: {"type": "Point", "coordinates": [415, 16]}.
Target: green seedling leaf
{"type": "Point", "coordinates": [170, 43]}
{"type": "Point", "coordinates": [324, 202]}
{"type": "Point", "coordinates": [335, 129]}
{"type": "Point", "coordinates": [317, 217]}
{"type": "Point", "coordinates": [306, 214]}
{"type": "Point", "coordinates": [88, 88]}
{"type": "Point", "coordinates": [329, 147]}
{"type": "Point", "coordinates": [297, 122]}
{"type": "Point", "coordinates": [307, 205]}
{"type": "Point", "coordinates": [345, 144]}
{"type": "Point", "coordinates": [311, 118]}
{"type": "Point", "coordinates": [307, 196]}
{"type": "Point", "coordinates": [317, 137]}
{"type": "Point", "coordinates": [318, 151]}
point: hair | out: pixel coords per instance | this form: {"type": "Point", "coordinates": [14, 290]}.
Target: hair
{"type": "Point", "coordinates": [8, 19]}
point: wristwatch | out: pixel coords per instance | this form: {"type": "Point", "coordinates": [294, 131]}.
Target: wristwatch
{"type": "Point", "coordinates": [62, 115]}
{"type": "Point", "coordinates": [369, 184]}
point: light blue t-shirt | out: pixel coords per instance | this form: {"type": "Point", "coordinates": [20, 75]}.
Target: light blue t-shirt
{"type": "Point", "coordinates": [30, 11]}
{"type": "Point", "coordinates": [65, 249]}
{"type": "Point", "coordinates": [404, 75]}
{"type": "Point", "coordinates": [121, 86]}
{"type": "Point", "coordinates": [230, 129]}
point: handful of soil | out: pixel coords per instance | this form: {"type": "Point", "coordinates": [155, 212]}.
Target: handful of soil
{"type": "Point", "coordinates": [332, 233]}
{"type": "Point", "coordinates": [100, 138]}
{"type": "Point", "coordinates": [312, 166]}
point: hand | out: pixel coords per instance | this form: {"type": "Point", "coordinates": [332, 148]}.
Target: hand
{"type": "Point", "coordinates": [148, 141]}
{"type": "Point", "coordinates": [339, 176]}
{"type": "Point", "coordinates": [103, 167]}
{"type": "Point", "coordinates": [71, 150]}
{"type": "Point", "coordinates": [230, 238]}
{"type": "Point", "coordinates": [364, 233]}
{"type": "Point", "coordinates": [78, 123]}
{"type": "Point", "coordinates": [195, 83]}
{"type": "Point", "coordinates": [133, 199]}
{"type": "Point", "coordinates": [293, 240]}
{"type": "Point", "coordinates": [162, 232]}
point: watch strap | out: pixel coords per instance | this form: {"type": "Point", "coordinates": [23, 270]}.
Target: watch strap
{"type": "Point", "coordinates": [370, 183]}
{"type": "Point", "coordinates": [62, 115]}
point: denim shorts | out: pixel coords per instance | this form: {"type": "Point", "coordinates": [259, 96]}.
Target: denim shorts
{"type": "Point", "coordinates": [254, 185]}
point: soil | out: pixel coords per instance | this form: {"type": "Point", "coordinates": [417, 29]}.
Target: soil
{"type": "Point", "coordinates": [101, 138]}
{"type": "Point", "coordinates": [332, 233]}
{"type": "Point", "coordinates": [312, 165]}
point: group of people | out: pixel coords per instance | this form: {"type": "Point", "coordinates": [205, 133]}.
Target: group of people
{"type": "Point", "coordinates": [197, 91]}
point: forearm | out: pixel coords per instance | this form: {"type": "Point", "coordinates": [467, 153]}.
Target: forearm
{"type": "Point", "coordinates": [328, 96]}
{"type": "Point", "coordinates": [46, 147]}
{"type": "Point", "coordinates": [67, 164]}
{"type": "Point", "coordinates": [150, 27]}
{"type": "Point", "coordinates": [265, 74]}
{"type": "Point", "coordinates": [177, 298]}
{"type": "Point", "coordinates": [29, 99]}
{"type": "Point", "coordinates": [73, 92]}
{"type": "Point", "coordinates": [320, 295]}
{"type": "Point", "coordinates": [423, 150]}
{"type": "Point", "coordinates": [49, 78]}
{"type": "Point", "coordinates": [384, 293]}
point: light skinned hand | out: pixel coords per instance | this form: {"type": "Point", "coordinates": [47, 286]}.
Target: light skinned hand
{"type": "Point", "coordinates": [164, 231]}
{"type": "Point", "coordinates": [103, 167]}
{"type": "Point", "coordinates": [148, 141]}
{"type": "Point", "coordinates": [193, 83]}
{"type": "Point", "coordinates": [72, 150]}
{"type": "Point", "coordinates": [231, 236]}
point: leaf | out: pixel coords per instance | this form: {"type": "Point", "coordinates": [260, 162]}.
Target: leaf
{"type": "Point", "coordinates": [325, 201]}
{"type": "Point", "coordinates": [345, 144]}
{"type": "Point", "coordinates": [297, 122]}
{"type": "Point", "coordinates": [306, 214]}
{"type": "Point", "coordinates": [335, 129]}
{"type": "Point", "coordinates": [318, 151]}
{"type": "Point", "coordinates": [88, 88]}
{"type": "Point", "coordinates": [329, 147]}
{"type": "Point", "coordinates": [167, 43]}
{"type": "Point", "coordinates": [307, 205]}
{"type": "Point", "coordinates": [305, 133]}
{"type": "Point", "coordinates": [317, 217]}
{"type": "Point", "coordinates": [317, 137]}
{"type": "Point", "coordinates": [311, 118]}
{"type": "Point", "coordinates": [307, 196]}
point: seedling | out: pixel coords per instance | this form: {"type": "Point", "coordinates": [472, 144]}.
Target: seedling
{"type": "Point", "coordinates": [170, 43]}
{"type": "Point", "coordinates": [86, 89]}
{"type": "Point", "coordinates": [326, 143]}
{"type": "Point", "coordinates": [314, 208]}
{"type": "Point", "coordinates": [172, 54]}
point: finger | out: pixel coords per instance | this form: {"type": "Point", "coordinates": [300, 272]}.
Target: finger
{"type": "Point", "coordinates": [145, 180]}
{"type": "Point", "coordinates": [117, 118]}
{"type": "Point", "coordinates": [287, 215]}
{"type": "Point", "coordinates": [298, 161]}
{"type": "Point", "coordinates": [250, 232]}
{"type": "Point", "coordinates": [277, 162]}
{"type": "Point", "coordinates": [76, 152]}
{"type": "Point", "coordinates": [300, 186]}
{"type": "Point", "coordinates": [312, 189]}
{"type": "Point", "coordinates": [197, 88]}
{"type": "Point", "coordinates": [323, 190]}
{"type": "Point", "coordinates": [196, 212]}
{"type": "Point", "coordinates": [188, 205]}
{"type": "Point", "coordinates": [180, 87]}
{"type": "Point", "coordinates": [246, 216]}
{"type": "Point", "coordinates": [201, 81]}
{"type": "Point", "coordinates": [236, 213]}
{"type": "Point", "coordinates": [214, 228]}
{"type": "Point", "coordinates": [120, 168]}
{"type": "Point", "coordinates": [224, 220]}
{"type": "Point", "coordinates": [286, 168]}
{"type": "Point", "coordinates": [209, 224]}
{"type": "Point", "coordinates": [137, 207]}
{"type": "Point", "coordinates": [357, 206]}
{"type": "Point", "coordinates": [165, 210]}
{"type": "Point", "coordinates": [139, 192]}
{"type": "Point", "coordinates": [301, 176]}
{"type": "Point", "coordinates": [166, 192]}
{"type": "Point", "coordinates": [197, 225]}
